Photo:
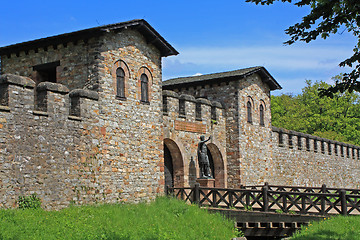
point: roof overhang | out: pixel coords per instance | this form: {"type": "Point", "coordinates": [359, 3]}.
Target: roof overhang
{"type": "Point", "coordinates": [150, 34]}
{"type": "Point", "coordinates": [222, 77]}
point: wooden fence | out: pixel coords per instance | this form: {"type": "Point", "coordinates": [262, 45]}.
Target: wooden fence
{"type": "Point", "coordinates": [271, 198]}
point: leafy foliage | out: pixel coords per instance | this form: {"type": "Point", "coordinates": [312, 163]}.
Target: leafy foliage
{"type": "Point", "coordinates": [329, 17]}
{"type": "Point", "coordinates": [29, 202]}
{"type": "Point", "coordinates": [336, 118]}
{"type": "Point", "coordinates": [162, 219]}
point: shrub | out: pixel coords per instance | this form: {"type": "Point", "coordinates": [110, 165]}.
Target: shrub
{"type": "Point", "coordinates": [29, 202]}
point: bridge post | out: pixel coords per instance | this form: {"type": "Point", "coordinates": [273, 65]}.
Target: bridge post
{"type": "Point", "coordinates": [265, 190]}
{"type": "Point", "coordinates": [196, 196]}
{"type": "Point", "coordinates": [343, 202]}
{"type": "Point", "coordinates": [323, 190]}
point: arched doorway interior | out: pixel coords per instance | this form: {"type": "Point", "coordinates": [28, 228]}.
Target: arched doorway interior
{"type": "Point", "coordinates": [216, 164]}
{"type": "Point", "coordinates": [173, 164]}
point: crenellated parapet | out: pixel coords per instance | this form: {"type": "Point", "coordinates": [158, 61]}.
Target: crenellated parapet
{"type": "Point", "coordinates": [187, 107]}
{"type": "Point", "coordinates": [20, 94]}
{"type": "Point", "coordinates": [306, 142]}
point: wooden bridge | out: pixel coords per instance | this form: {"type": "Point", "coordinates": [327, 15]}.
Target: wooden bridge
{"type": "Point", "coordinates": [272, 211]}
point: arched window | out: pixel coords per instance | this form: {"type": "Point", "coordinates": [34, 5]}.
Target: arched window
{"type": "Point", "coordinates": [249, 112]}
{"type": "Point", "coordinates": [144, 88]}
{"type": "Point", "coordinates": [120, 83]}
{"type": "Point", "coordinates": [262, 123]}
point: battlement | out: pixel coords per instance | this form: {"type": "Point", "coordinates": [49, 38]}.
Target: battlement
{"type": "Point", "coordinates": [20, 94]}
{"type": "Point", "coordinates": [306, 142]}
{"type": "Point", "coordinates": [187, 107]}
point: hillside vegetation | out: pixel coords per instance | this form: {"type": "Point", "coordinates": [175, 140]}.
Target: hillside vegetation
{"type": "Point", "coordinates": [345, 228]}
{"type": "Point", "coordinates": [335, 118]}
{"type": "Point", "coordinates": [162, 219]}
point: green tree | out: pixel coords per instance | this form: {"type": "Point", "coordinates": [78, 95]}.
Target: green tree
{"type": "Point", "coordinates": [336, 118]}
{"type": "Point", "coordinates": [325, 18]}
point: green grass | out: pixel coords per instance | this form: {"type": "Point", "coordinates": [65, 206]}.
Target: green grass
{"type": "Point", "coordinates": [344, 228]}
{"type": "Point", "coordinates": [162, 219]}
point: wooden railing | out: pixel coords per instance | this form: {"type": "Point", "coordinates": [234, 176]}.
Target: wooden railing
{"type": "Point", "coordinates": [270, 198]}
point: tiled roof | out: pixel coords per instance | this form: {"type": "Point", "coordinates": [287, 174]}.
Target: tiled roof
{"type": "Point", "coordinates": [141, 25]}
{"type": "Point", "coordinates": [219, 77]}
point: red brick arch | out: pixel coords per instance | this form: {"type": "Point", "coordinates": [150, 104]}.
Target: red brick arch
{"type": "Point", "coordinates": [219, 168]}
{"type": "Point", "coordinates": [177, 162]}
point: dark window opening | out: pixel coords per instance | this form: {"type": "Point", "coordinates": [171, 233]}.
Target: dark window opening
{"type": "Point", "coordinates": [249, 112]}
{"type": "Point", "coordinates": [347, 152]}
{"type": "Point", "coordinates": [336, 149]}
{"type": "Point", "coordinates": [299, 143]}
{"type": "Point", "coordinates": [262, 123]}
{"type": "Point", "coordinates": [322, 147]}
{"type": "Point", "coordinates": [213, 113]}
{"type": "Point", "coordinates": [182, 110]}
{"type": "Point", "coordinates": [290, 141]}
{"type": "Point", "coordinates": [165, 105]}
{"type": "Point", "coordinates": [198, 116]}
{"type": "Point", "coordinates": [144, 88]}
{"type": "Point", "coordinates": [315, 146]}
{"type": "Point", "coordinates": [120, 83]}
{"type": "Point", "coordinates": [329, 148]}
{"type": "Point", "coordinates": [342, 151]}
{"type": "Point", "coordinates": [46, 72]}
{"type": "Point", "coordinates": [281, 139]}
{"type": "Point", "coordinates": [307, 144]}
{"type": "Point", "coordinates": [353, 153]}
{"type": "Point", "coordinates": [358, 153]}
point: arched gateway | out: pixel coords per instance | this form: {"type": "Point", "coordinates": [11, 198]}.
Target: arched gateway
{"type": "Point", "coordinates": [174, 164]}
{"type": "Point", "coordinates": [216, 164]}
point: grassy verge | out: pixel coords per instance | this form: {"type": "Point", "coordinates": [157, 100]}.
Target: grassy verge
{"type": "Point", "coordinates": [162, 219]}
{"type": "Point", "coordinates": [345, 228]}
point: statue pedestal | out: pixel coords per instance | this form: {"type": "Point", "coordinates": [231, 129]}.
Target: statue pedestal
{"type": "Point", "coordinates": [206, 182]}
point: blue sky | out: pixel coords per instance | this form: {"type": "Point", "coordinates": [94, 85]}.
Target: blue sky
{"type": "Point", "coordinates": [211, 36]}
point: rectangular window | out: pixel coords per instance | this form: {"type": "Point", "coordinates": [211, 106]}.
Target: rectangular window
{"type": "Point", "coordinates": [315, 145]}
{"type": "Point", "coordinates": [299, 142]}
{"type": "Point", "coordinates": [290, 141]}
{"type": "Point", "coordinates": [198, 116]}
{"type": "Point", "coordinates": [281, 140]}
{"type": "Point", "coordinates": [165, 105]}
{"type": "Point", "coordinates": [307, 144]}
{"type": "Point", "coordinates": [341, 150]}
{"type": "Point", "coordinates": [182, 108]}
{"type": "Point", "coordinates": [46, 72]}
{"type": "Point", "coordinates": [322, 147]}
{"type": "Point", "coordinates": [329, 148]}
{"type": "Point", "coordinates": [213, 113]}
{"type": "Point", "coordinates": [336, 149]}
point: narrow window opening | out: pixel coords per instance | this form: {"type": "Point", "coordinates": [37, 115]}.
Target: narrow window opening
{"type": "Point", "coordinates": [290, 141]}
{"type": "Point", "coordinates": [307, 144]}
{"type": "Point", "coordinates": [198, 116]}
{"type": "Point", "coordinates": [165, 105]}
{"type": "Point", "coordinates": [336, 149]}
{"type": "Point", "coordinates": [329, 148]}
{"type": "Point", "coordinates": [120, 83]}
{"type": "Point", "coordinates": [347, 152]}
{"type": "Point", "coordinates": [281, 139]}
{"type": "Point", "coordinates": [299, 143]}
{"type": "Point", "coordinates": [213, 113]}
{"type": "Point", "coordinates": [182, 109]}
{"type": "Point", "coordinates": [262, 123]}
{"type": "Point", "coordinates": [249, 112]}
{"type": "Point", "coordinates": [358, 153]}
{"type": "Point", "coordinates": [353, 153]}
{"type": "Point", "coordinates": [315, 145]}
{"type": "Point", "coordinates": [322, 147]}
{"type": "Point", "coordinates": [144, 88]}
{"type": "Point", "coordinates": [46, 72]}
{"type": "Point", "coordinates": [342, 151]}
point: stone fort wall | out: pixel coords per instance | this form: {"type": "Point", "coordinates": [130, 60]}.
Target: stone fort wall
{"type": "Point", "coordinates": [185, 120]}
{"type": "Point", "coordinates": [305, 160]}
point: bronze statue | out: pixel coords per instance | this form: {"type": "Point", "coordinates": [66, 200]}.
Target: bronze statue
{"type": "Point", "coordinates": [203, 158]}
